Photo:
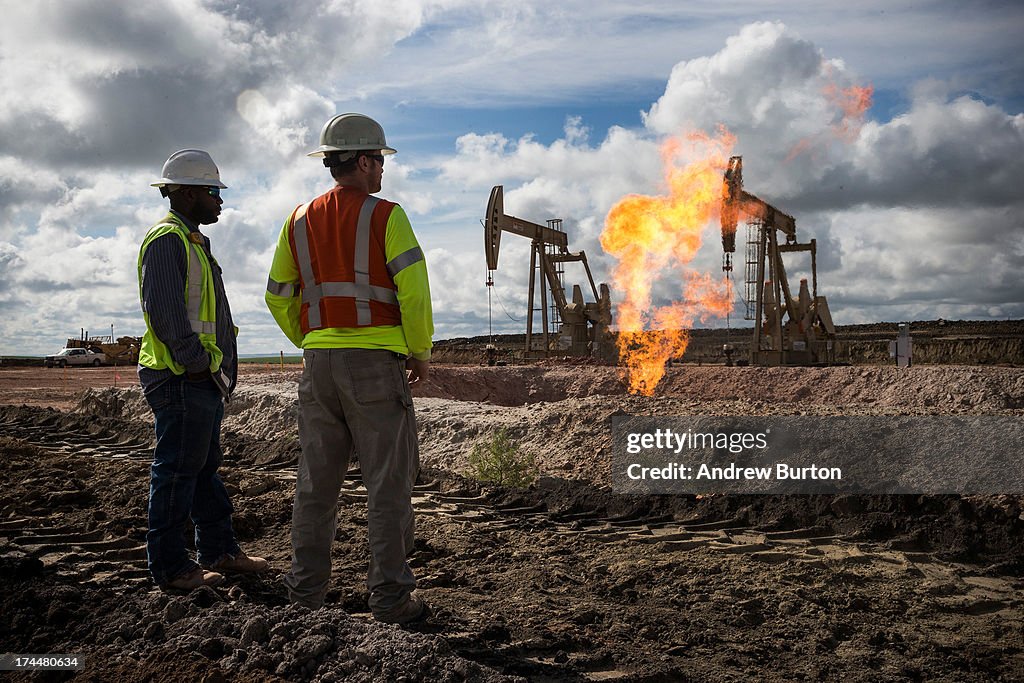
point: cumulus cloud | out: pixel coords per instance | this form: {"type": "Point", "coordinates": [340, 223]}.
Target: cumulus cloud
{"type": "Point", "coordinates": [124, 83]}
{"type": "Point", "coordinates": [24, 185]}
{"type": "Point", "coordinates": [941, 153]}
{"type": "Point", "coordinates": [106, 91]}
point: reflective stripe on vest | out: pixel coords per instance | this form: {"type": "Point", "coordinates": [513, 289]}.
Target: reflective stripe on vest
{"type": "Point", "coordinates": [362, 262]}
{"type": "Point", "coordinates": [361, 290]}
{"type": "Point", "coordinates": [303, 259]}
{"type": "Point", "coordinates": [195, 295]}
{"type": "Point", "coordinates": [351, 289]}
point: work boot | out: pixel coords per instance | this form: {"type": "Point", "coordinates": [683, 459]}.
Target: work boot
{"type": "Point", "coordinates": [240, 563]}
{"type": "Point", "coordinates": [194, 579]}
{"type": "Point", "coordinates": [407, 612]}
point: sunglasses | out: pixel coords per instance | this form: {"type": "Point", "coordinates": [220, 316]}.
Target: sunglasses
{"type": "Point", "coordinates": [378, 157]}
{"type": "Point", "coordinates": [213, 191]}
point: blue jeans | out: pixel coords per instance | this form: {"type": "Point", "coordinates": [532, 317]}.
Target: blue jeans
{"type": "Point", "coordinates": [184, 482]}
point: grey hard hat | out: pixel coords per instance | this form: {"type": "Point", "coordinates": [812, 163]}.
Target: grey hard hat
{"type": "Point", "coordinates": [351, 133]}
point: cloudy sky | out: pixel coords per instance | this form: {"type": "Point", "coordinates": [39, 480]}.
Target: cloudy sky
{"type": "Point", "coordinates": [917, 208]}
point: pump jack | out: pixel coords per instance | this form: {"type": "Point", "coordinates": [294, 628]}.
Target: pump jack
{"type": "Point", "coordinates": [807, 337]}
{"type": "Point", "coordinates": [575, 315]}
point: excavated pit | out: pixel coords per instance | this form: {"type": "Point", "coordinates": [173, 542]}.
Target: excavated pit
{"type": "Point", "coordinates": [564, 581]}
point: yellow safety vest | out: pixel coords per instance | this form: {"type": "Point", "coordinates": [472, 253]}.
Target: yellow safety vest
{"type": "Point", "coordinates": [200, 300]}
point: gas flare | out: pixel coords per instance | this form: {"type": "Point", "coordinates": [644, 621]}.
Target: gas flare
{"type": "Point", "coordinates": [850, 105]}
{"type": "Point", "coordinates": [853, 102]}
{"type": "Point", "coordinates": [651, 235]}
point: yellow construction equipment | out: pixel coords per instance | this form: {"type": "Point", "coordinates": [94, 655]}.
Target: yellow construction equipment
{"type": "Point", "coordinates": [123, 351]}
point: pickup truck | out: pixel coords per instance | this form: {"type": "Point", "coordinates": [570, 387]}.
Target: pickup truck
{"type": "Point", "coordinates": [75, 357]}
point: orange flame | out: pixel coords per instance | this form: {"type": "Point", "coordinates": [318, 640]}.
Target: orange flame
{"type": "Point", "coordinates": [651, 234]}
{"type": "Point", "coordinates": [853, 102]}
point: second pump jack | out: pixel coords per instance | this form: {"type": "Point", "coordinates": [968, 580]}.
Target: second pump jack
{"type": "Point", "coordinates": [807, 335]}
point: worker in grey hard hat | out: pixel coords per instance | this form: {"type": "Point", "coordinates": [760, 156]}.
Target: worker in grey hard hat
{"type": "Point", "coordinates": [344, 137]}
{"type": "Point", "coordinates": [361, 312]}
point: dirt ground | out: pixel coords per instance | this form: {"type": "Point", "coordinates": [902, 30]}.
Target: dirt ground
{"type": "Point", "coordinates": [564, 581]}
{"type": "Point", "coordinates": [58, 387]}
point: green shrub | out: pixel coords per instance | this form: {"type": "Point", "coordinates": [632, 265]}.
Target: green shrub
{"type": "Point", "coordinates": [502, 462]}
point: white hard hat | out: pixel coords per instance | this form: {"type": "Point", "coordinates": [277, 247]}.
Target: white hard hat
{"type": "Point", "coordinates": [190, 167]}
{"type": "Point", "coordinates": [351, 133]}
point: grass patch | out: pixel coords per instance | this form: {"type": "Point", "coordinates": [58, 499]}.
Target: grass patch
{"type": "Point", "coordinates": [501, 461]}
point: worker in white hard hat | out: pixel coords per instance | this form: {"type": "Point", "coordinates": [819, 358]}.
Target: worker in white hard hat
{"type": "Point", "coordinates": [348, 284]}
{"type": "Point", "coordinates": [188, 368]}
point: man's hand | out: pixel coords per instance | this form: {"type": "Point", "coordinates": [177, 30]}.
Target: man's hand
{"type": "Point", "coordinates": [418, 369]}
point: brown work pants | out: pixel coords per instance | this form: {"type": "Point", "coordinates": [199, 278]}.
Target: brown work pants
{"type": "Point", "coordinates": [354, 400]}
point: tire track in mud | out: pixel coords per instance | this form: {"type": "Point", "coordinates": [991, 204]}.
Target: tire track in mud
{"type": "Point", "coordinates": [87, 556]}
{"type": "Point", "coordinates": [814, 546]}
{"type": "Point", "coordinates": [95, 557]}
